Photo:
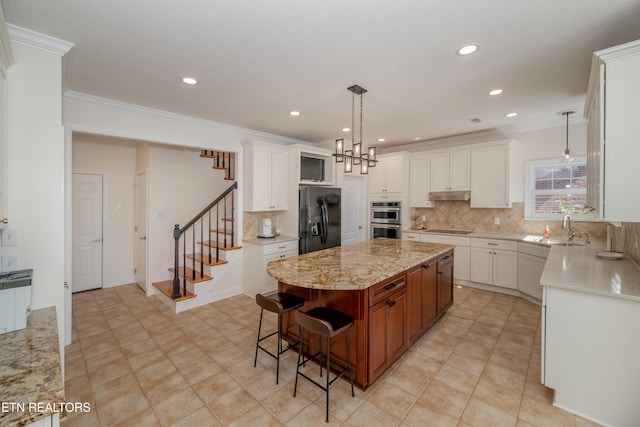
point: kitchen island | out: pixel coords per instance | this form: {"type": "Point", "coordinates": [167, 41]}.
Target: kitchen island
{"type": "Point", "coordinates": [394, 289]}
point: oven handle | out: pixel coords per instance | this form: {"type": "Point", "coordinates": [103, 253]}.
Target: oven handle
{"type": "Point", "coordinates": [379, 225]}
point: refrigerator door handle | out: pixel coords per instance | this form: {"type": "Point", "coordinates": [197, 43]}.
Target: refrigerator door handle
{"type": "Point", "coordinates": [325, 223]}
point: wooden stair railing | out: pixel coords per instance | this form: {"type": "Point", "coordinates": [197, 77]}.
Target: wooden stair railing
{"type": "Point", "coordinates": [194, 272]}
{"type": "Point", "coordinates": [223, 160]}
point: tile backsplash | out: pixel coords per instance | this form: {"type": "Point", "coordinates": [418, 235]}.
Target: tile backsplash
{"type": "Point", "coordinates": [251, 222]}
{"type": "Point", "coordinates": [460, 215]}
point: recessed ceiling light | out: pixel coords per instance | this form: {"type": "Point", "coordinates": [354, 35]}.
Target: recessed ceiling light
{"type": "Point", "coordinates": [511, 114]}
{"type": "Point", "coordinates": [380, 139]}
{"type": "Point", "coordinates": [294, 113]}
{"type": "Point", "coordinates": [468, 49]}
{"type": "Point", "coordinates": [189, 81]}
{"type": "Point", "coordinates": [495, 92]}
{"type": "Point", "coordinates": [346, 129]}
{"type": "Point", "coordinates": [417, 138]}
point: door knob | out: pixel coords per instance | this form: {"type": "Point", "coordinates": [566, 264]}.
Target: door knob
{"type": "Point", "coordinates": [96, 241]}
{"type": "Point", "coordinates": [5, 220]}
{"type": "Point", "coordinates": [143, 238]}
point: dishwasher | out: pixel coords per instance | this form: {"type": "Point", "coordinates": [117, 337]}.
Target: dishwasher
{"type": "Point", "coordinates": [531, 260]}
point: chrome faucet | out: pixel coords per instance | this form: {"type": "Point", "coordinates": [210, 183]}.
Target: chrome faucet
{"type": "Point", "coordinates": [586, 239]}
{"type": "Point", "coordinates": [566, 224]}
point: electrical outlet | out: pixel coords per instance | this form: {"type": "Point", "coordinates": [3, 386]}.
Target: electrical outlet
{"type": "Point", "coordinates": [496, 220]}
{"type": "Point", "coordinates": [9, 263]}
{"type": "Point", "coordinates": [9, 237]}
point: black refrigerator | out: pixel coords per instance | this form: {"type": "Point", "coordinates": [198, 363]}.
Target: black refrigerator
{"type": "Point", "coordinates": [319, 218]}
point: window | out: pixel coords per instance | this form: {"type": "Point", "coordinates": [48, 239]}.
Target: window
{"type": "Point", "coordinates": [555, 188]}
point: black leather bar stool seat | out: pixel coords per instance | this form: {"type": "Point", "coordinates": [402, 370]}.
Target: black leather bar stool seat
{"type": "Point", "coordinates": [325, 323]}
{"type": "Point", "coordinates": [279, 303]}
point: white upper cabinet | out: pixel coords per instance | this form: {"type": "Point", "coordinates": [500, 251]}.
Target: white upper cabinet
{"type": "Point", "coordinates": [450, 171]}
{"type": "Point", "coordinates": [490, 177]}
{"type": "Point", "coordinates": [613, 148]}
{"type": "Point", "coordinates": [420, 181]}
{"type": "Point", "coordinates": [265, 177]}
{"type": "Point", "coordinates": [388, 176]}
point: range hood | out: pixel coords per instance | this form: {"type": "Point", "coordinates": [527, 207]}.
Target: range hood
{"type": "Point", "coordinates": [449, 195]}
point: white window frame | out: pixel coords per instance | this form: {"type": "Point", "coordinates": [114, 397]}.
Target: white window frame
{"type": "Point", "coordinates": [529, 190]}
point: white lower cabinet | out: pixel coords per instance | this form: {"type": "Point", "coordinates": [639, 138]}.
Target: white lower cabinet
{"type": "Point", "coordinates": [257, 256]}
{"type": "Point", "coordinates": [494, 262]}
{"type": "Point", "coordinates": [460, 252]}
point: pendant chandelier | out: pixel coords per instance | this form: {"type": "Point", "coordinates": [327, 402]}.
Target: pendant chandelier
{"type": "Point", "coordinates": [356, 156]}
{"type": "Point", "coordinates": [567, 152]}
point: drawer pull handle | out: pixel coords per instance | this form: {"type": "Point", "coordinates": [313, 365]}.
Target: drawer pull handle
{"type": "Point", "coordinates": [492, 244]}
{"type": "Point", "coordinates": [390, 286]}
{"type": "Point", "coordinates": [426, 266]}
{"type": "Point", "coordinates": [281, 247]}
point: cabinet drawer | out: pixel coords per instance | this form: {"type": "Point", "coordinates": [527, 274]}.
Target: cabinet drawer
{"type": "Point", "coordinates": [383, 290]}
{"type": "Point", "coordinates": [507, 245]}
{"type": "Point", "coordinates": [411, 236]}
{"type": "Point", "coordinates": [280, 247]}
{"type": "Point", "coordinates": [447, 240]}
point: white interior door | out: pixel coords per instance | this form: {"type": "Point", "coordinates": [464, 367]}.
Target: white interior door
{"type": "Point", "coordinates": [352, 209]}
{"type": "Point", "coordinates": [87, 232]}
{"type": "Point", "coordinates": [141, 231]}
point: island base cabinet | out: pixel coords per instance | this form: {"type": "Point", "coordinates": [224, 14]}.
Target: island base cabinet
{"type": "Point", "coordinates": [387, 338]}
{"type": "Point", "coordinates": [422, 300]}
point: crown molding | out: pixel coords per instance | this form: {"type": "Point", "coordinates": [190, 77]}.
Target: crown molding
{"type": "Point", "coordinates": [6, 55]}
{"type": "Point", "coordinates": [123, 106]}
{"type": "Point", "coordinates": [37, 40]}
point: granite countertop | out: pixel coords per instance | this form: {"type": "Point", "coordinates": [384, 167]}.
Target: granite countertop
{"type": "Point", "coordinates": [269, 240]}
{"type": "Point", "coordinates": [578, 268]}
{"type": "Point", "coordinates": [354, 267]}
{"type": "Point", "coordinates": [30, 370]}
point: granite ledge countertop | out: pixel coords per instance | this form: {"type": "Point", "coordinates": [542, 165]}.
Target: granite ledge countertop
{"type": "Point", "coordinates": [30, 369]}
{"type": "Point", "coordinates": [354, 267]}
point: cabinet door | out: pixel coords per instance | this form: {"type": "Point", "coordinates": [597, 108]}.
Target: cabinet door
{"type": "Point", "coordinates": [378, 361]}
{"type": "Point", "coordinates": [396, 330]}
{"type": "Point", "coordinates": [529, 272]}
{"type": "Point", "coordinates": [279, 179]}
{"type": "Point", "coordinates": [394, 175]}
{"type": "Point", "coordinates": [419, 182]}
{"type": "Point", "coordinates": [461, 268]}
{"type": "Point", "coordinates": [429, 294]}
{"type": "Point", "coordinates": [505, 269]}
{"type": "Point", "coordinates": [258, 172]}
{"type": "Point", "coordinates": [377, 179]}
{"type": "Point", "coordinates": [415, 325]}
{"type": "Point", "coordinates": [439, 172]}
{"type": "Point", "coordinates": [3, 160]}
{"type": "Point", "coordinates": [459, 170]}
{"type": "Point", "coordinates": [490, 178]}
{"type": "Point", "coordinates": [482, 265]}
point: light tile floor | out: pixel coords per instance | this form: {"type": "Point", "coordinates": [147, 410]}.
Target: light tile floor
{"type": "Point", "coordinates": [138, 364]}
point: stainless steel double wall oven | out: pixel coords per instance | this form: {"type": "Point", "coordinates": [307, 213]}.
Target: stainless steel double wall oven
{"type": "Point", "coordinates": [386, 219]}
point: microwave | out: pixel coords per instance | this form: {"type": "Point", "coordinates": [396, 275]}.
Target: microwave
{"type": "Point", "coordinates": [312, 169]}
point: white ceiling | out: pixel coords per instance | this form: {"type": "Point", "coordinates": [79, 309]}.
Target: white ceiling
{"type": "Point", "coordinates": [257, 60]}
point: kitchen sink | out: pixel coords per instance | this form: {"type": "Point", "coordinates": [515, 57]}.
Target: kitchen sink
{"type": "Point", "coordinates": [564, 243]}
{"type": "Point", "coordinates": [447, 231]}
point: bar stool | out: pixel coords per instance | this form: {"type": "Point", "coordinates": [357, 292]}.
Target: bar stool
{"type": "Point", "coordinates": [326, 323]}
{"type": "Point", "coordinates": [279, 303]}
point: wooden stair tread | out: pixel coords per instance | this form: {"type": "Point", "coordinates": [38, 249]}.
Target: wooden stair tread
{"type": "Point", "coordinates": [199, 277]}
{"type": "Point", "coordinates": [166, 287]}
{"type": "Point", "coordinates": [216, 230]}
{"type": "Point", "coordinates": [205, 259]}
{"type": "Point", "coordinates": [221, 247]}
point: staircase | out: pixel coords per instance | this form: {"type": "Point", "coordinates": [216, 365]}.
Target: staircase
{"type": "Point", "coordinates": [205, 248]}
{"type": "Point", "coordinates": [222, 160]}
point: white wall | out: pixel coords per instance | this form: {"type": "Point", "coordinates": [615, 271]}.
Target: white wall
{"type": "Point", "coordinates": [116, 161]}
{"type": "Point", "coordinates": [35, 172]}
